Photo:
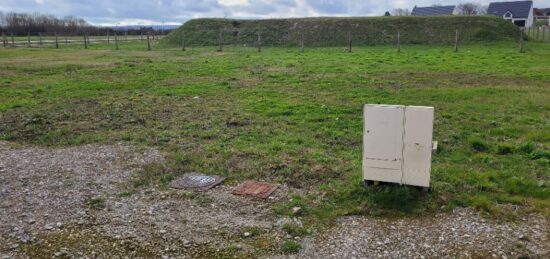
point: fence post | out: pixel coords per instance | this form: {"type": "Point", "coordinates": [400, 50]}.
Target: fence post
{"type": "Point", "coordinates": [349, 41]}
{"type": "Point", "coordinates": [220, 49]}
{"type": "Point", "coordinates": [56, 41]}
{"type": "Point", "coordinates": [538, 32]}
{"type": "Point", "coordinates": [148, 42]}
{"type": "Point", "coordinates": [183, 40]}
{"type": "Point", "coordinates": [456, 40]}
{"type": "Point", "coordinates": [85, 42]}
{"type": "Point", "coordinates": [66, 40]}
{"type": "Point", "coordinates": [141, 36]}
{"type": "Point", "coordinates": [259, 42]}
{"type": "Point", "coordinates": [116, 41]}
{"type": "Point", "coordinates": [4, 41]}
{"type": "Point", "coordinates": [398, 41]}
{"type": "Point", "coordinates": [126, 36]}
{"type": "Point", "coordinates": [12, 40]}
{"type": "Point", "coordinates": [40, 38]}
{"type": "Point", "coordinates": [521, 50]}
{"type": "Point", "coordinates": [302, 41]}
{"type": "Point", "coordinates": [108, 38]}
{"type": "Point", "coordinates": [543, 34]}
{"type": "Point", "coordinates": [29, 38]}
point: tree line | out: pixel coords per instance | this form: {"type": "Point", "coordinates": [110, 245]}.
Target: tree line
{"type": "Point", "coordinates": [20, 24]}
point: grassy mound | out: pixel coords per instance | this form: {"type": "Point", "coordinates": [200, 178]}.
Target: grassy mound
{"type": "Point", "coordinates": [333, 31]}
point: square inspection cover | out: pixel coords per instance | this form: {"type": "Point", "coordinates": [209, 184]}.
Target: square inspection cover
{"type": "Point", "coordinates": [196, 182]}
{"type": "Point", "coordinates": [255, 189]}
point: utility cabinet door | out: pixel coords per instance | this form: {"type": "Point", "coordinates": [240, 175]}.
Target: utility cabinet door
{"type": "Point", "coordinates": [418, 145]}
{"type": "Point", "coordinates": [383, 142]}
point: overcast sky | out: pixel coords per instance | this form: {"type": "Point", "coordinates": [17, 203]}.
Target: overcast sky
{"type": "Point", "coordinates": [125, 12]}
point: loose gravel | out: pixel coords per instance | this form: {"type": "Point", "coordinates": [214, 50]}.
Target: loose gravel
{"type": "Point", "coordinates": [75, 202]}
{"type": "Point", "coordinates": [460, 234]}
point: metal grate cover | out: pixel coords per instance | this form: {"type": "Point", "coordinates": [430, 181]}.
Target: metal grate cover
{"type": "Point", "coordinates": [195, 181]}
{"type": "Point", "coordinates": [255, 189]}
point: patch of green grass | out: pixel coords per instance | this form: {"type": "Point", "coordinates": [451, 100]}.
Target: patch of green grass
{"type": "Point", "coordinates": [479, 144]}
{"type": "Point", "coordinates": [290, 247]}
{"type": "Point", "coordinates": [155, 174]}
{"type": "Point", "coordinates": [295, 229]}
{"type": "Point", "coordinates": [295, 117]}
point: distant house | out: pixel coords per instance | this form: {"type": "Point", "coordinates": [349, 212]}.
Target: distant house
{"type": "Point", "coordinates": [541, 14]}
{"type": "Point", "coordinates": [518, 12]}
{"type": "Point", "coordinates": [433, 10]}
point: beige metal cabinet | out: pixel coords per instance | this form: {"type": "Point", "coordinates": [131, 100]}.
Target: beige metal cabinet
{"type": "Point", "coordinates": [397, 144]}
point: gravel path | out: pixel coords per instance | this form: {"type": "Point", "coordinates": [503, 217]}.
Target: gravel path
{"type": "Point", "coordinates": [460, 234]}
{"type": "Point", "coordinates": [74, 202]}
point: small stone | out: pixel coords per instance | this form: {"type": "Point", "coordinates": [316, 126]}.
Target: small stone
{"type": "Point", "coordinates": [296, 210]}
{"type": "Point", "coordinates": [31, 221]}
{"type": "Point", "coordinates": [186, 243]}
{"type": "Point", "coordinates": [48, 227]}
{"type": "Point", "coordinates": [162, 231]}
{"type": "Point", "coordinates": [59, 225]}
{"type": "Point", "coordinates": [247, 234]}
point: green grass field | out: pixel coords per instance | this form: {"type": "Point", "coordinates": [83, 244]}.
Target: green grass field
{"type": "Point", "coordinates": [296, 118]}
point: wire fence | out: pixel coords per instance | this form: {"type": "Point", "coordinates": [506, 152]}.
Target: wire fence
{"type": "Point", "coordinates": [269, 38]}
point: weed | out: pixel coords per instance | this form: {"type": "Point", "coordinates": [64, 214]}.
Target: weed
{"type": "Point", "coordinates": [478, 144]}
{"type": "Point", "coordinates": [96, 203]}
{"type": "Point", "coordinates": [527, 147]}
{"type": "Point", "coordinates": [294, 229]}
{"type": "Point", "coordinates": [505, 149]}
{"type": "Point", "coordinates": [290, 247]}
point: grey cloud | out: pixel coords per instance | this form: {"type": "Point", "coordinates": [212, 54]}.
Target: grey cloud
{"type": "Point", "coordinates": [177, 11]}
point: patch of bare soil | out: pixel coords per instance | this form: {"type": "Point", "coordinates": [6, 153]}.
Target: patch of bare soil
{"type": "Point", "coordinates": [462, 233]}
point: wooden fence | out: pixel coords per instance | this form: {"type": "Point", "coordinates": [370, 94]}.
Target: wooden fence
{"type": "Point", "coordinates": [39, 40]}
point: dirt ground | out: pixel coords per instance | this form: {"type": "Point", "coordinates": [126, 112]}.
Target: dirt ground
{"type": "Point", "coordinates": [75, 202]}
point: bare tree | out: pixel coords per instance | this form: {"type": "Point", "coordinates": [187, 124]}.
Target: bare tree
{"type": "Point", "coordinates": [470, 9]}
{"type": "Point", "coordinates": [401, 12]}
{"type": "Point", "coordinates": [22, 23]}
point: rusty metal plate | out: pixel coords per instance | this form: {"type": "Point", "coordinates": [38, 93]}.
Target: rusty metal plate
{"type": "Point", "coordinates": [196, 181]}
{"type": "Point", "coordinates": [256, 189]}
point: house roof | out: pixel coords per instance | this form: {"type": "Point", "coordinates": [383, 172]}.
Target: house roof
{"type": "Point", "coordinates": [519, 9]}
{"type": "Point", "coordinates": [541, 11]}
{"type": "Point", "coordinates": [433, 10]}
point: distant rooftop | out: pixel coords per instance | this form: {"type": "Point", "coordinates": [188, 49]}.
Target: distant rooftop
{"type": "Point", "coordinates": [519, 9]}
{"type": "Point", "coordinates": [433, 10]}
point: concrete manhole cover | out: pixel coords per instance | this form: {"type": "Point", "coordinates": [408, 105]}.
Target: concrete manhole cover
{"type": "Point", "coordinates": [195, 181]}
{"type": "Point", "coordinates": [255, 189]}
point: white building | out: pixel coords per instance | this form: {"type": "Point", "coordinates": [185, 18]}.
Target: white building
{"type": "Point", "coordinates": [518, 12]}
